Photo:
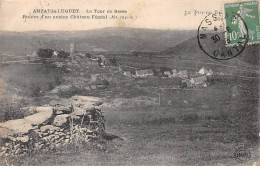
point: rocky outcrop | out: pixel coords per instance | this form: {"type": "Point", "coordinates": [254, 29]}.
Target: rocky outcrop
{"type": "Point", "coordinates": [77, 119]}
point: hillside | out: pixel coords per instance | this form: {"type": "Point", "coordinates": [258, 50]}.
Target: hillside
{"type": "Point", "coordinates": [107, 39]}
{"type": "Point", "coordinates": [190, 46]}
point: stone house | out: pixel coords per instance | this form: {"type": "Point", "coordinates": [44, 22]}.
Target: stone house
{"type": "Point", "coordinates": [144, 73]}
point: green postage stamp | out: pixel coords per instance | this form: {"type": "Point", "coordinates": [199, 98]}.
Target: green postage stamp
{"type": "Point", "coordinates": [242, 22]}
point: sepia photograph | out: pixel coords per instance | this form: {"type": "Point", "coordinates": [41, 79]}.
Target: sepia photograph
{"type": "Point", "coordinates": [129, 83]}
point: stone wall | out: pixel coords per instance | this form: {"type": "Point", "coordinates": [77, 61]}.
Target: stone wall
{"type": "Point", "coordinates": [75, 120]}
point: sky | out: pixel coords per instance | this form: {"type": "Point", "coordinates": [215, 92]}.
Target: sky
{"type": "Point", "coordinates": [152, 14]}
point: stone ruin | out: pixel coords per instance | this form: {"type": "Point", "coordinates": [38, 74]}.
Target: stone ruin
{"type": "Point", "coordinates": [74, 120]}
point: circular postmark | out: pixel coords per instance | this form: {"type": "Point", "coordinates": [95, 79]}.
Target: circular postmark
{"type": "Point", "coordinates": [242, 154]}
{"type": "Point", "coordinates": [214, 38]}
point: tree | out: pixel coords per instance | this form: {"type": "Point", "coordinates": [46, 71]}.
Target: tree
{"type": "Point", "coordinates": [63, 54]}
{"type": "Point", "coordinates": [45, 53]}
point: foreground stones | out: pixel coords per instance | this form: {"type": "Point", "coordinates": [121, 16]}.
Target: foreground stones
{"type": "Point", "coordinates": [74, 120]}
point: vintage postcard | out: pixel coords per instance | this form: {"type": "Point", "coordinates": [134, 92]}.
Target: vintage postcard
{"type": "Point", "coordinates": [129, 83]}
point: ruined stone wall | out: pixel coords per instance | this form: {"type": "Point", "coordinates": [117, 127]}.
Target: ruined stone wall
{"type": "Point", "coordinates": [75, 120]}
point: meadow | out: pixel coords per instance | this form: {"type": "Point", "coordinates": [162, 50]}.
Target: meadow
{"type": "Point", "coordinates": [206, 129]}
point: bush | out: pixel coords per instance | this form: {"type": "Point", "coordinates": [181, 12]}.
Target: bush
{"type": "Point", "coordinates": [88, 55]}
{"type": "Point", "coordinates": [113, 61]}
{"type": "Point", "coordinates": [63, 54]}
{"type": "Point", "coordinates": [10, 111]}
{"type": "Point", "coordinates": [70, 92]}
{"type": "Point", "coordinates": [163, 69]}
{"type": "Point", "coordinates": [35, 90]}
{"type": "Point", "coordinates": [45, 53]}
{"type": "Point", "coordinates": [189, 118]}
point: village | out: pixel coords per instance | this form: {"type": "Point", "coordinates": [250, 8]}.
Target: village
{"type": "Point", "coordinates": [201, 78]}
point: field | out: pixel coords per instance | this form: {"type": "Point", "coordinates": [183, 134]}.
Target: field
{"type": "Point", "coordinates": [206, 130]}
{"type": "Point", "coordinates": [192, 126]}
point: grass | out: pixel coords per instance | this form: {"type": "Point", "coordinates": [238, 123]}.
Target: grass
{"type": "Point", "coordinates": [25, 85]}
{"type": "Point", "coordinates": [178, 134]}
{"type": "Point", "coordinates": [197, 127]}
{"type": "Point", "coordinates": [156, 141]}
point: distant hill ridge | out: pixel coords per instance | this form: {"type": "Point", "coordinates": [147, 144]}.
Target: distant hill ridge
{"type": "Point", "coordinates": [126, 40]}
{"type": "Point", "coordinates": [249, 56]}
{"type": "Point", "coordinates": [109, 39]}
